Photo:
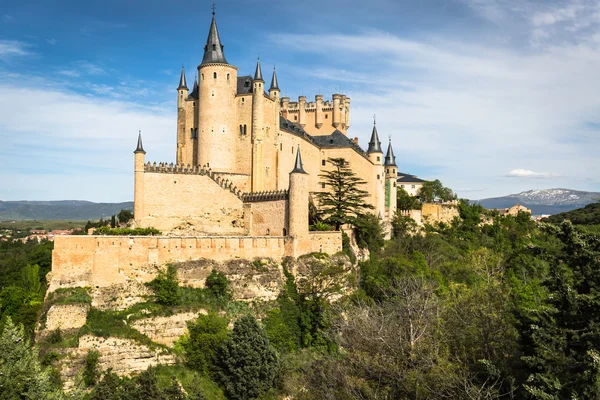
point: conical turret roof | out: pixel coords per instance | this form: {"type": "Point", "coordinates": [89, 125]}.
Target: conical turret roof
{"type": "Point", "coordinates": [213, 51]}
{"type": "Point", "coordinates": [194, 92]}
{"type": "Point", "coordinates": [258, 73]}
{"type": "Point", "coordinates": [274, 83]}
{"type": "Point", "coordinates": [374, 143]}
{"type": "Point", "coordinates": [182, 82]}
{"type": "Point", "coordinates": [298, 168]}
{"type": "Point", "coordinates": [390, 159]}
{"type": "Point", "coordinates": [140, 148]}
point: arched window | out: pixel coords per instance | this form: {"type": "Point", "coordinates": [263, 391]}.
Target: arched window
{"type": "Point", "coordinates": [215, 75]}
{"type": "Point", "coordinates": [241, 130]}
{"type": "Point", "coordinates": [245, 129]}
{"type": "Point", "coordinates": [227, 76]}
{"type": "Point", "coordinates": [202, 76]}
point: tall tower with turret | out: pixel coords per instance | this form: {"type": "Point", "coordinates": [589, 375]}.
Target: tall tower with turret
{"type": "Point", "coordinates": [217, 87]}
{"type": "Point", "coordinates": [184, 141]}
{"type": "Point", "coordinates": [258, 129]}
{"type": "Point", "coordinates": [138, 180]}
{"type": "Point", "coordinates": [391, 177]}
{"type": "Point", "coordinates": [376, 157]}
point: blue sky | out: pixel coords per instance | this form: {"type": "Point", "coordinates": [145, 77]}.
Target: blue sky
{"type": "Point", "coordinates": [490, 96]}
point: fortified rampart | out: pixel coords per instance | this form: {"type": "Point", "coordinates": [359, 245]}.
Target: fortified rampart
{"type": "Point", "coordinates": [101, 261]}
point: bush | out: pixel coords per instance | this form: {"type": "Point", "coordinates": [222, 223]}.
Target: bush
{"type": "Point", "coordinates": [218, 284]}
{"type": "Point", "coordinates": [246, 364]}
{"type": "Point", "coordinates": [166, 287]}
{"type": "Point", "coordinates": [91, 372]}
{"type": "Point", "coordinates": [206, 334]}
{"type": "Point", "coordinates": [321, 226]}
{"type": "Point", "coordinates": [106, 230]}
{"type": "Point", "coordinates": [125, 216]}
{"type": "Point", "coordinates": [369, 232]}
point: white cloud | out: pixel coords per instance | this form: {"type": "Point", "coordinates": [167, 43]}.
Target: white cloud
{"type": "Point", "coordinates": [524, 173]}
{"type": "Point", "coordinates": [76, 147]}
{"type": "Point", "coordinates": [469, 110]}
{"type": "Point", "coordinates": [71, 73]}
{"type": "Point", "coordinates": [13, 48]}
{"type": "Point", "coordinates": [51, 41]}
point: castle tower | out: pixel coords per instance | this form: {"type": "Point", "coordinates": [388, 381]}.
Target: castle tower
{"type": "Point", "coordinates": [183, 140]}
{"type": "Point", "coordinates": [274, 94]}
{"type": "Point", "coordinates": [337, 110]}
{"type": "Point", "coordinates": [376, 157]}
{"type": "Point", "coordinates": [319, 111]}
{"type": "Point", "coordinates": [258, 132]}
{"type": "Point", "coordinates": [298, 199]}
{"type": "Point", "coordinates": [391, 177]}
{"type": "Point", "coordinates": [217, 87]}
{"type": "Point", "coordinates": [138, 180]}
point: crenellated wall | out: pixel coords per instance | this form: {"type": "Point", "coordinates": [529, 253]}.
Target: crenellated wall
{"type": "Point", "coordinates": [102, 261]}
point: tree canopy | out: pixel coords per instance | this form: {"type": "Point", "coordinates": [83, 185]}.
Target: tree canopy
{"type": "Point", "coordinates": [344, 199]}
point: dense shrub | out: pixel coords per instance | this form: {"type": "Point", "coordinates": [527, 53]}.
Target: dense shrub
{"type": "Point", "coordinates": [166, 287]}
{"type": "Point", "coordinates": [106, 230]}
{"type": "Point", "coordinates": [206, 334]}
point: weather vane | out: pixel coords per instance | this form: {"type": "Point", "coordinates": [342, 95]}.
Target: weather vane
{"type": "Point", "coordinates": [214, 6]}
{"type": "Point", "coordinates": [374, 119]}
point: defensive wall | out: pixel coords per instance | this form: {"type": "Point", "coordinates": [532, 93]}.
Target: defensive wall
{"type": "Point", "coordinates": [101, 261]}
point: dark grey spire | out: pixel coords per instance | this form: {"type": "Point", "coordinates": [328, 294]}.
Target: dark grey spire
{"type": "Point", "coordinates": [374, 143]}
{"type": "Point", "coordinates": [182, 82]}
{"type": "Point", "coordinates": [390, 159]}
{"type": "Point", "coordinates": [274, 83]}
{"type": "Point", "coordinates": [140, 148]}
{"type": "Point", "coordinates": [194, 92]}
{"type": "Point", "coordinates": [258, 72]}
{"type": "Point", "coordinates": [213, 51]}
{"type": "Point", "coordinates": [298, 169]}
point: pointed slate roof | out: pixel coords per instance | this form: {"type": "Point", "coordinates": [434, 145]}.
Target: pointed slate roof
{"type": "Point", "coordinates": [274, 83]}
{"type": "Point", "coordinates": [374, 143]}
{"type": "Point", "coordinates": [194, 92]}
{"type": "Point", "coordinates": [140, 148]}
{"type": "Point", "coordinates": [258, 72]}
{"type": "Point", "coordinates": [213, 51]}
{"type": "Point", "coordinates": [298, 169]}
{"type": "Point", "coordinates": [182, 82]}
{"type": "Point", "coordinates": [390, 159]}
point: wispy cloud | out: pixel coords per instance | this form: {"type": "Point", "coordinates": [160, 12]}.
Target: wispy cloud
{"type": "Point", "coordinates": [51, 41]}
{"type": "Point", "coordinates": [84, 144]}
{"type": "Point", "coordinates": [8, 18]}
{"type": "Point", "coordinates": [13, 48]}
{"type": "Point", "coordinates": [524, 173]}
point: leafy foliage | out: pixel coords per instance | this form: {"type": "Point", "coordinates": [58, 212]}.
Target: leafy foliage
{"type": "Point", "coordinates": [125, 216]}
{"type": "Point", "coordinates": [218, 285]}
{"type": "Point", "coordinates": [369, 232]}
{"type": "Point", "coordinates": [405, 201]}
{"type": "Point", "coordinates": [432, 190]}
{"type": "Point", "coordinates": [206, 334]}
{"type": "Point", "coordinates": [588, 215]}
{"type": "Point", "coordinates": [344, 200]}
{"type": "Point", "coordinates": [91, 372]}
{"type": "Point", "coordinates": [105, 230]}
{"type": "Point", "coordinates": [21, 373]}
{"type": "Point", "coordinates": [166, 287]}
{"type": "Point", "coordinates": [246, 363]}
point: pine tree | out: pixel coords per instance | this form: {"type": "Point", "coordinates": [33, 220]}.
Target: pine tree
{"type": "Point", "coordinates": [21, 373]}
{"type": "Point", "coordinates": [246, 363]}
{"type": "Point", "coordinates": [345, 200]}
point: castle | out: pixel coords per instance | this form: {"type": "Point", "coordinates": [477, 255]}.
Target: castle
{"type": "Point", "coordinates": [247, 164]}
{"type": "Point", "coordinates": [238, 154]}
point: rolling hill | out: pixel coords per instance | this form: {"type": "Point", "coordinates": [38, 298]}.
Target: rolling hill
{"type": "Point", "coordinates": [547, 201]}
{"type": "Point", "coordinates": [64, 209]}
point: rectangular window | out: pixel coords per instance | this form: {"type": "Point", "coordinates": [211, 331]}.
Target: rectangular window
{"type": "Point", "coordinates": [322, 162]}
{"type": "Point", "coordinates": [412, 186]}
{"type": "Point", "coordinates": [323, 185]}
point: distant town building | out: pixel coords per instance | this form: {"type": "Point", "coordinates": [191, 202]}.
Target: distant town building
{"type": "Point", "coordinates": [514, 210]}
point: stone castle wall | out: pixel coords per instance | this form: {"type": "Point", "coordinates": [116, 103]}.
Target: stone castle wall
{"type": "Point", "coordinates": [434, 212]}
{"type": "Point", "coordinates": [102, 261]}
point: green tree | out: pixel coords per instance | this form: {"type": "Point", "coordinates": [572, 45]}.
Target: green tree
{"type": "Point", "coordinates": [218, 284]}
{"type": "Point", "coordinates": [432, 190]}
{"type": "Point", "coordinates": [166, 287]}
{"type": "Point", "coordinates": [405, 201]}
{"type": "Point", "coordinates": [125, 216]}
{"type": "Point", "coordinates": [109, 388]}
{"type": "Point", "coordinates": [206, 334]}
{"type": "Point", "coordinates": [369, 232]}
{"type": "Point", "coordinates": [21, 374]}
{"type": "Point", "coordinates": [403, 225]}
{"type": "Point", "coordinates": [344, 200]}
{"type": "Point", "coordinates": [91, 371]}
{"type": "Point", "coordinates": [246, 364]}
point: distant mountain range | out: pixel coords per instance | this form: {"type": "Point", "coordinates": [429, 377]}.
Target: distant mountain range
{"type": "Point", "coordinates": [547, 201]}
{"type": "Point", "coordinates": [65, 209]}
